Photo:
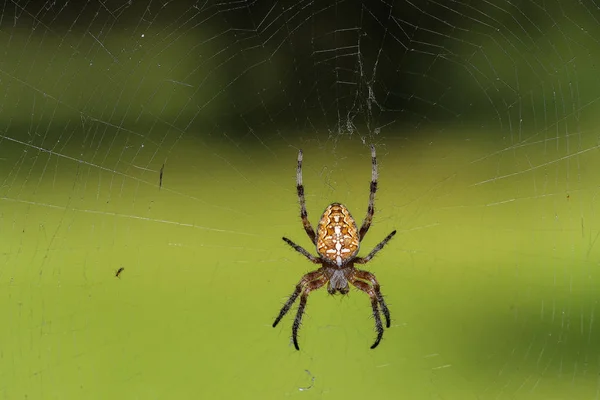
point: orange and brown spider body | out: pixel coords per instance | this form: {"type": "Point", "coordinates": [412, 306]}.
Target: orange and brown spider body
{"type": "Point", "coordinates": [337, 241]}
{"type": "Point", "coordinates": [337, 235]}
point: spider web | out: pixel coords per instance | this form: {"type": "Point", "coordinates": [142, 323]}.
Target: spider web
{"type": "Point", "coordinates": [161, 137]}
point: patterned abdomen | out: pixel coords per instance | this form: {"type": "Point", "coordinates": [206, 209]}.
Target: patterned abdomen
{"type": "Point", "coordinates": [337, 235]}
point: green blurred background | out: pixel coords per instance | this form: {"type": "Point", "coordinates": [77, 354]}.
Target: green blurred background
{"type": "Point", "coordinates": [484, 118]}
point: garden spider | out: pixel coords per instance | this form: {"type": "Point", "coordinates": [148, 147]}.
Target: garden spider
{"type": "Point", "coordinates": [337, 241]}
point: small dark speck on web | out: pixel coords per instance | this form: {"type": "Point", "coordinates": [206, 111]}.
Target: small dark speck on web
{"type": "Point", "coordinates": [162, 169]}
{"type": "Point", "coordinates": [118, 273]}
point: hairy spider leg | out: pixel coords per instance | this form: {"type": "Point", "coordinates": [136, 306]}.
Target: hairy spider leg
{"type": "Point", "coordinates": [371, 209]}
{"type": "Point", "coordinates": [314, 285]}
{"type": "Point", "coordinates": [367, 276]}
{"type": "Point", "coordinates": [306, 279]}
{"type": "Point", "coordinates": [303, 214]}
{"type": "Point", "coordinates": [365, 287]}
{"type": "Point", "coordinates": [302, 251]}
{"type": "Point", "coordinates": [364, 260]}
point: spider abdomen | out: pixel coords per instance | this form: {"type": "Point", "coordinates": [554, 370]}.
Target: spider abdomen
{"type": "Point", "coordinates": [337, 234]}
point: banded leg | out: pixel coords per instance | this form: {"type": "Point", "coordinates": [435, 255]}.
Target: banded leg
{"type": "Point", "coordinates": [367, 276]}
{"type": "Point", "coordinates": [302, 251]}
{"type": "Point", "coordinates": [306, 279]}
{"type": "Point", "coordinates": [371, 209]}
{"type": "Point", "coordinates": [364, 260]}
{"type": "Point", "coordinates": [314, 285]}
{"type": "Point", "coordinates": [365, 287]}
{"type": "Point", "coordinates": [303, 214]}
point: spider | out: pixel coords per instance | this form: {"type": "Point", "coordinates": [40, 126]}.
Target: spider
{"type": "Point", "coordinates": [337, 241]}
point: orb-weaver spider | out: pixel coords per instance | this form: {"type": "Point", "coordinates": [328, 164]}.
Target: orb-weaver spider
{"type": "Point", "coordinates": [337, 241]}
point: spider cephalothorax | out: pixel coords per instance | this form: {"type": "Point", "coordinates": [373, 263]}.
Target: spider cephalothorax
{"type": "Point", "coordinates": [337, 241]}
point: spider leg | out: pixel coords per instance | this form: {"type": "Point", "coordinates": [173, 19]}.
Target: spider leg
{"type": "Point", "coordinates": [306, 279]}
{"type": "Point", "coordinates": [365, 287]}
{"type": "Point", "coordinates": [367, 276]}
{"type": "Point", "coordinates": [371, 209]}
{"type": "Point", "coordinates": [302, 251]}
{"type": "Point", "coordinates": [364, 260]}
{"type": "Point", "coordinates": [303, 214]}
{"type": "Point", "coordinates": [314, 285]}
